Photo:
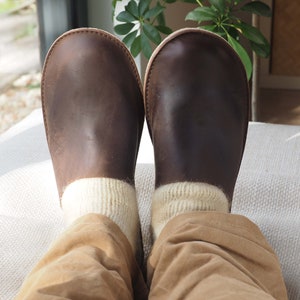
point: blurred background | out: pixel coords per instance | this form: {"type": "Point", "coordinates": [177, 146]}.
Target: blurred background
{"type": "Point", "coordinates": [28, 28]}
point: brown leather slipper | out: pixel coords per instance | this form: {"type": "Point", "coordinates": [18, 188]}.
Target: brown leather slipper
{"type": "Point", "coordinates": [197, 106]}
{"type": "Point", "coordinates": [92, 106]}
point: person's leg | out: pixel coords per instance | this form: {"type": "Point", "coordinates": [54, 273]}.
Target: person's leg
{"type": "Point", "coordinates": [93, 114]}
{"type": "Point", "coordinates": [91, 260]}
{"type": "Point", "coordinates": [211, 255]}
{"type": "Point", "coordinates": [196, 98]}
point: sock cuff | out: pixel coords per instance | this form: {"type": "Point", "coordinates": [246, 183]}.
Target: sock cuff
{"type": "Point", "coordinates": [113, 198]}
{"type": "Point", "coordinates": [177, 198]}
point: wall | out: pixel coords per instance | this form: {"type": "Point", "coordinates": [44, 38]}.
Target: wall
{"type": "Point", "coordinates": [100, 14]}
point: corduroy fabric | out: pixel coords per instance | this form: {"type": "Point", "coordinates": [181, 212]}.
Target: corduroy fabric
{"type": "Point", "coordinates": [213, 255]}
{"type": "Point", "coordinates": [91, 260]}
{"type": "Point", "coordinates": [199, 255]}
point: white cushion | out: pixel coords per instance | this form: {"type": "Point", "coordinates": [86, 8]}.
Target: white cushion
{"type": "Point", "coordinates": [267, 191]}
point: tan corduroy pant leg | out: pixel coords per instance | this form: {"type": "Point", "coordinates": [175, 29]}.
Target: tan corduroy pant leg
{"type": "Point", "coordinates": [92, 260]}
{"type": "Point", "coordinates": [213, 255]}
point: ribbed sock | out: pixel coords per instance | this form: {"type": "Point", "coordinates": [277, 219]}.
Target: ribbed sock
{"type": "Point", "coordinates": [113, 198]}
{"type": "Point", "coordinates": [174, 199]}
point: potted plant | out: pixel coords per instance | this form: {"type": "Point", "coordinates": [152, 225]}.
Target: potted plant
{"type": "Point", "coordinates": [143, 22]}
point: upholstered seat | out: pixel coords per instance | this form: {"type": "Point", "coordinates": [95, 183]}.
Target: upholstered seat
{"type": "Point", "coordinates": [267, 192]}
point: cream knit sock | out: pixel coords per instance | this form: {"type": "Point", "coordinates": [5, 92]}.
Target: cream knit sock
{"type": "Point", "coordinates": [113, 198]}
{"type": "Point", "coordinates": [177, 198]}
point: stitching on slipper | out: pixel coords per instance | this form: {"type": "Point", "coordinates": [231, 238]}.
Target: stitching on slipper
{"type": "Point", "coordinates": [91, 31]}
{"type": "Point", "coordinates": [208, 35]}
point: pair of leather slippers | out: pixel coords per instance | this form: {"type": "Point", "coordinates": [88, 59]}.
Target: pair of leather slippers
{"type": "Point", "coordinates": [195, 99]}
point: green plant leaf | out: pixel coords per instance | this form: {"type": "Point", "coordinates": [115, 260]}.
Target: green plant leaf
{"type": "Point", "coordinates": [164, 29]}
{"type": "Point", "coordinates": [250, 32]}
{"type": "Point", "coordinates": [154, 12]}
{"type": "Point", "coordinates": [233, 32]}
{"type": "Point", "coordinates": [236, 2]}
{"type": "Point", "coordinates": [125, 16]}
{"type": "Point", "coordinates": [146, 47]}
{"type": "Point", "coordinates": [242, 53]}
{"type": "Point", "coordinates": [218, 4]}
{"type": "Point", "coordinates": [129, 38]}
{"type": "Point", "coordinates": [211, 28]}
{"type": "Point", "coordinates": [170, 1]}
{"type": "Point", "coordinates": [152, 33]}
{"type": "Point", "coordinates": [123, 29]}
{"type": "Point", "coordinates": [132, 8]}
{"type": "Point", "coordinates": [114, 4]}
{"type": "Point", "coordinates": [261, 50]}
{"type": "Point", "coordinates": [257, 8]}
{"type": "Point", "coordinates": [214, 29]}
{"type": "Point", "coordinates": [201, 14]}
{"type": "Point", "coordinates": [136, 46]}
{"type": "Point", "coordinates": [161, 19]}
{"type": "Point", "coordinates": [190, 1]}
{"type": "Point", "coordinates": [143, 6]}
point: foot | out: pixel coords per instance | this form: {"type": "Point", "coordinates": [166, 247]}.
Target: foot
{"type": "Point", "coordinates": [196, 99]}
{"type": "Point", "coordinates": [93, 107]}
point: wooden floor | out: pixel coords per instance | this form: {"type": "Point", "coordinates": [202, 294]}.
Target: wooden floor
{"type": "Point", "coordinates": [279, 106]}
